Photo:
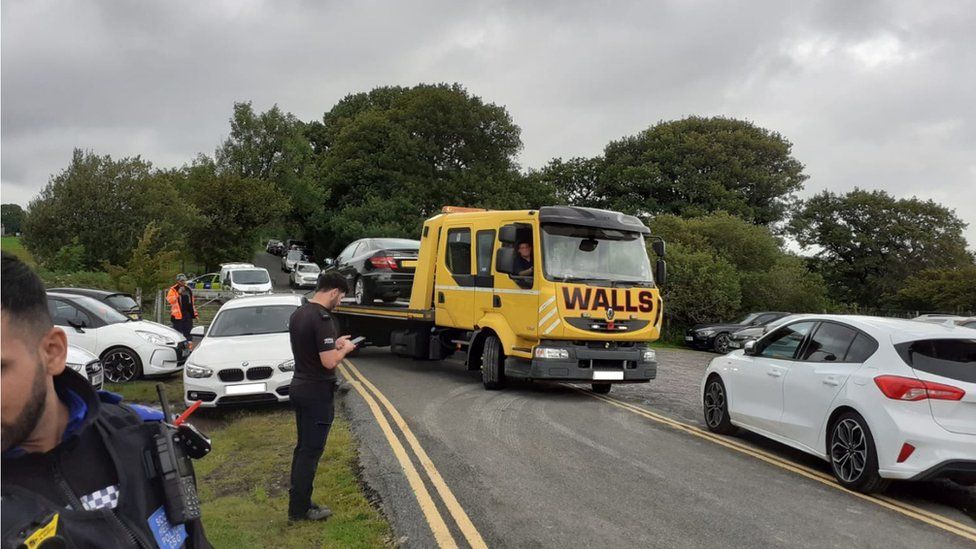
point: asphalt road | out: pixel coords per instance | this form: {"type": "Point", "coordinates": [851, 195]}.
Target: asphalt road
{"type": "Point", "coordinates": [548, 465]}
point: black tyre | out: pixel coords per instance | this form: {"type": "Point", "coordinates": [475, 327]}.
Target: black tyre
{"type": "Point", "coordinates": [493, 364]}
{"type": "Point", "coordinates": [362, 292]}
{"type": "Point", "coordinates": [121, 365]}
{"type": "Point", "coordinates": [853, 456]}
{"type": "Point", "coordinates": [389, 298]}
{"type": "Point", "coordinates": [716, 408]}
{"type": "Point", "coordinates": [601, 388]}
{"type": "Point", "coordinates": [721, 343]}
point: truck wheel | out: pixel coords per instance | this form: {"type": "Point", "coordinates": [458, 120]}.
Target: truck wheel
{"type": "Point", "coordinates": [601, 388]}
{"type": "Point", "coordinates": [493, 364]}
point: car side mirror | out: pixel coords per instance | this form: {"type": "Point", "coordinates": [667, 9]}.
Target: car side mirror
{"type": "Point", "coordinates": [750, 347]}
{"type": "Point", "coordinates": [328, 262]}
{"type": "Point", "coordinates": [661, 272]}
{"type": "Point", "coordinates": [198, 331]}
{"type": "Point", "coordinates": [505, 260]}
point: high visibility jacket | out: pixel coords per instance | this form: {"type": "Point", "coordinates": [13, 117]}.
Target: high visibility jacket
{"type": "Point", "coordinates": [173, 297]}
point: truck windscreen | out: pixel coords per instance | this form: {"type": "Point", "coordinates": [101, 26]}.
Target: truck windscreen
{"type": "Point", "coordinates": [577, 253]}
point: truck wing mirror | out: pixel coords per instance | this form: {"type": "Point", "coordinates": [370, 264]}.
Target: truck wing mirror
{"type": "Point", "coordinates": [507, 234]}
{"type": "Point", "coordinates": [505, 259]}
{"type": "Point", "coordinates": [660, 272]}
{"type": "Point", "coordinates": [658, 246]}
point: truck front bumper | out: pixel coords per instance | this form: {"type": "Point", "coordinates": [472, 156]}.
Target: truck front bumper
{"type": "Point", "coordinates": [587, 362]}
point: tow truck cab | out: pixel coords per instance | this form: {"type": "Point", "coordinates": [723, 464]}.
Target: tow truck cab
{"type": "Point", "coordinates": [559, 293]}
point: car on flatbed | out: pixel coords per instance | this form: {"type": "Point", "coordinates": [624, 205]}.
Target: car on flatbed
{"type": "Point", "coordinates": [377, 268]}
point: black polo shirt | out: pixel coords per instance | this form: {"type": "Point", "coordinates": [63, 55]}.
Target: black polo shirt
{"type": "Point", "coordinates": [312, 330]}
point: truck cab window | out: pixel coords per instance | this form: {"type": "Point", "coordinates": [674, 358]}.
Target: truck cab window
{"type": "Point", "coordinates": [486, 249]}
{"type": "Point", "coordinates": [458, 256]}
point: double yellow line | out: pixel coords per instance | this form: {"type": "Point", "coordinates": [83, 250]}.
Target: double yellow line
{"type": "Point", "coordinates": [928, 517]}
{"type": "Point", "coordinates": [377, 403]}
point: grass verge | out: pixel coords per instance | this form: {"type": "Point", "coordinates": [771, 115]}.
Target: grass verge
{"type": "Point", "coordinates": [12, 244]}
{"type": "Point", "coordinates": [243, 483]}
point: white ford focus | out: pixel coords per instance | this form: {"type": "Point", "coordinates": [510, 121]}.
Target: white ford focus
{"type": "Point", "coordinates": [245, 355]}
{"type": "Point", "coordinates": [877, 398]}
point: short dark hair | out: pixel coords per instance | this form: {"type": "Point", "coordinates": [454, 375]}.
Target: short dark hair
{"type": "Point", "coordinates": [22, 295]}
{"type": "Point", "coordinates": [332, 281]}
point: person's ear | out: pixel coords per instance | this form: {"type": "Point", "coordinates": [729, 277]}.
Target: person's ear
{"type": "Point", "coordinates": [54, 351]}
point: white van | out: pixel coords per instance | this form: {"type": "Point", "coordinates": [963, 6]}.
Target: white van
{"type": "Point", "coordinates": [245, 279]}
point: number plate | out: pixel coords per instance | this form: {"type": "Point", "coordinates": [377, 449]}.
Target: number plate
{"type": "Point", "coordinates": [608, 375]}
{"type": "Point", "coordinates": [96, 380]}
{"type": "Point", "coordinates": [246, 389]}
{"type": "Point", "coordinates": [689, 338]}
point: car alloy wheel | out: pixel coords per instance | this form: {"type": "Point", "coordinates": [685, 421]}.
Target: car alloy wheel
{"type": "Point", "coordinates": [848, 450]}
{"type": "Point", "coordinates": [120, 366]}
{"type": "Point", "coordinates": [360, 291]}
{"type": "Point", "coordinates": [714, 404]}
{"type": "Point", "coordinates": [722, 343]}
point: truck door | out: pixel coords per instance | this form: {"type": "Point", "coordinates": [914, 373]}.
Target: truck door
{"type": "Point", "coordinates": [517, 297]}
{"type": "Point", "coordinates": [455, 280]}
{"type": "Point", "coordinates": [484, 247]}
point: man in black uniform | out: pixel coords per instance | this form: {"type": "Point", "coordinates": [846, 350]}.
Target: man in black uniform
{"type": "Point", "coordinates": [523, 261]}
{"type": "Point", "coordinates": [317, 349]}
{"type": "Point", "coordinates": [74, 461]}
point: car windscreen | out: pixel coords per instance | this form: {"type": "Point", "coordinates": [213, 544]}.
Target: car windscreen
{"type": "Point", "coordinates": [951, 358]}
{"type": "Point", "coordinates": [295, 254]}
{"type": "Point", "coordinates": [394, 244]}
{"type": "Point", "coordinates": [122, 302]}
{"type": "Point", "coordinates": [748, 319]}
{"type": "Point", "coordinates": [577, 253]}
{"type": "Point", "coordinates": [250, 276]}
{"type": "Point", "coordinates": [308, 268]}
{"type": "Point", "coordinates": [270, 319]}
{"type": "Point", "coordinates": [103, 311]}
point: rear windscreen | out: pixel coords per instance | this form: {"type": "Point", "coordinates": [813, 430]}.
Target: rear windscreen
{"type": "Point", "coordinates": [951, 358]}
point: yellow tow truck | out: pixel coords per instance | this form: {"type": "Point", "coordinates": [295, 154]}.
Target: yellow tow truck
{"type": "Point", "coordinates": [559, 293]}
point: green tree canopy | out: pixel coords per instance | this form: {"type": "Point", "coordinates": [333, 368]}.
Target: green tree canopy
{"type": "Point", "coordinates": [868, 243]}
{"type": "Point", "coordinates": [940, 290]}
{"type": "Point", "coordinates": [105, 204]}
{"type": "Point", "coordinates": [696, 166]}
{"type": "Point", "coordinates": [12, 216]}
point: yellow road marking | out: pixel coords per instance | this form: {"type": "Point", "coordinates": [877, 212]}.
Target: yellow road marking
{"type": "Point", "coordinates": [460, 516]}
{"type": "Point", "coordinates": [923, 515]}
{"type": "Point", "coordinates": [434, 519]}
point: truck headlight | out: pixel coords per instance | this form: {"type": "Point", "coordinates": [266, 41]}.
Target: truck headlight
{"type": "Point", "coordinates": [649, 355]}
{"type": "Point", "coordinates": [155, 338]}
{"type": "Point", "coordinates": [551, 353]}
{"type": "Point", "coordinates": [192, 370]}
{"type": "Point", "coordinates": [287, 366]}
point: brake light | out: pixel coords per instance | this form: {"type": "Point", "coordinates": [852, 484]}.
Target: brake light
{"type": "Point", "coordinates": [383, 262]}
{"type": "Point", "coordinates": [906, 388]}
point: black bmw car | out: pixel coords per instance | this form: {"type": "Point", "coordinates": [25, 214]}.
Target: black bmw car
{"type": "Point", "coordinates": [716, 337]}
{"type": "Point", "coordinates": [377, 268]}
{"type": "Point", "coordinates": [120, 301]}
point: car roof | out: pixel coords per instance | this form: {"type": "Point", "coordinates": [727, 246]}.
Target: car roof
{"type": "Point", "coordinates": [898, 330]}
{"type": "Point", "coordinates": [263, 300]}
{"type": "Point", "coordinates": [90, 292]}
{"type": "Point", "coordinates": [234, 265]}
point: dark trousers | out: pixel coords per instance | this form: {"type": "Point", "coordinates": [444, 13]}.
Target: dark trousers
{"type": "Point", "coordinates": [314, 411]}
{"type": "Point", "coordinates": [183, 326]}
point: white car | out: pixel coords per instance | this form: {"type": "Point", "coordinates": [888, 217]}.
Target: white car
{"type": "Point", "coordinates": [305, 275]}
{"type": "Point", "coordinates": [244, 280]}
{"type": "Point", "coordinates": [128, 348]}
{"type": "Point", "coordinates": [291, 258]}
{"type": "Point", "coordinates": [86, 364]}
{"type": "Point", "coordinates": [877, 398]}
{"type": "Point", "coordinates": [245, 355]}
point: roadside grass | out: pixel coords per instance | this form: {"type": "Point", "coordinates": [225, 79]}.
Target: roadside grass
{"type": "Point", "coordinates": [12, 244]}
{"type": "Point", "coordinates": [243, 482]}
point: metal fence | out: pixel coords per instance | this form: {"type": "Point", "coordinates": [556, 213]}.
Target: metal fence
{"type": "Point", "coordinates": [206, 308]}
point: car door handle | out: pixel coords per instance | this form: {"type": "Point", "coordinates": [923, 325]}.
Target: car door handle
{"type": "Point", "coordinates": [774, 373]}
{"type": "Point", "coordinates": [831, 380]}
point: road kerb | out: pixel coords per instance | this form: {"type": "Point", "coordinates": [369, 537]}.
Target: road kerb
{"type": "Point", "coordinates": [438, 526]}
{"type": "Point", "coordinates": [932, 519]}
{"type": "Point", "coordinates": [461, 518]}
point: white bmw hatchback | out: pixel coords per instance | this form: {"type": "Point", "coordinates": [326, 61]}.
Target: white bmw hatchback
{"type": "Point", "coordinates": [877, 398]}
{"type": "Point", "coordinates": [245, 356]}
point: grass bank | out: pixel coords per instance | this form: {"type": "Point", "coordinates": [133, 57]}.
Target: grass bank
{"type": "Point", "coordinates": [243, 483]}
{"type": "Point", "coordinates": [12, 244]}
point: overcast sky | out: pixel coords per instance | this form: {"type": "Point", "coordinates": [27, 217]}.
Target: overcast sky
{"type": "Point", "coordinates": [875, 94]}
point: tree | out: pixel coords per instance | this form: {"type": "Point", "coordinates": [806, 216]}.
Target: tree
{"type": "Point", "coordinates": [868, 243]}
{"type": "Point", "coordinates": [105, 204]}
{"type": "Point", "coordinates": [147, 268]}
{"type": "Point", "coordinates": [576, 181]}
{"type": "Point", "coordinates": [696, 166]}
{"type": "Point", "coordinates": [943, 290]}
{"type": "Point", "coordinates": [702, 287]}
{"type": "Point", "coordinates": [12, 216]}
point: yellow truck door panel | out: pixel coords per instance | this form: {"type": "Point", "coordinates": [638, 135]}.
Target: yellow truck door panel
{"type": "Point", "coordinates": [454, 297]}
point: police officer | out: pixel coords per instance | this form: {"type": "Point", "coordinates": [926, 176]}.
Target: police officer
{"type": "Point", "coordinates": [317, 349]}
{"type": "Point", "coordinates": [74, 469]}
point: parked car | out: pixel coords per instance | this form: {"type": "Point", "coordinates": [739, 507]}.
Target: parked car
{"type": "Point", "coordinates": [290, 258]}
{"type": "Point", "coordinates": [740, 337]}
{"type": "Point", "coordinates": [965, 321]}
{"type": "Point", "coordinates": [274, 247]}
{"type": "Point", "coordinates": [292, 244]}
{"type": "Point", "coordinates": [305, 275]}
{"type": "Point", "coordinates": [241, 279]}
{"type": "Point", "coordinates": [128, 348]}
{"type": "Point", "coordinates": [716, 337]}
{"type": "Point", "coordinates": [877, 398]}
{"type": "Point", "coordinates": [120, 301]}
{"type": "Point", "coordinates": [206, 286]}
{"type": "Point", "coordinates": [377, 268]}
{"type": "Point", "coordinates": [86, 364]}
{"type": "Point", "coordinates": [245, 354]}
